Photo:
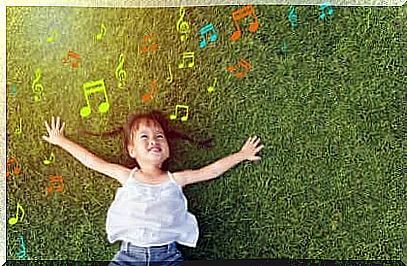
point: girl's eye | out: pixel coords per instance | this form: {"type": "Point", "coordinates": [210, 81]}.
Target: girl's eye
{"type": "Point", "coordinates": [143, 136]}
{"type": "Point", "coordinates": [160, 136]}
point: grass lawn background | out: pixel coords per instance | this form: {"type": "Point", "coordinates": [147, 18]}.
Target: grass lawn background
{"type": "Point", "coordinates": [328, 110]}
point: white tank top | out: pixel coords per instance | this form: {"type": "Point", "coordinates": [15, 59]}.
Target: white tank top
{"type": "Point", "coordinates": [151, 215]}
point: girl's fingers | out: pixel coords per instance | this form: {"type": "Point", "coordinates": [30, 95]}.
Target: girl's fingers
{"type": "Point", "coordinates": [259, 148]}
{"type": "Point", "coordinates": [47, 126]}
{"type": "Point", "coordinates": [53, 123]}
{"type": "Point", "coordinates": [57, 124]}
{"type": "Point", "coordinates": [63, 125]}
{"type": "Point", "coordinates": [257, 142]}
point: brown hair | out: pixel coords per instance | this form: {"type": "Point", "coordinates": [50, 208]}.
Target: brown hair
{"type": "Point", "coordinates": [157, 118]}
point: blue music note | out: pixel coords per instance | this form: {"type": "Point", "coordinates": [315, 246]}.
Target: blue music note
{"type": "Point", "coordinates": [324, 6]}
{"type": "Point", "coordinates": [22, 253]}
{"type": "Point", "coordinates": [292, 17]}
{"type": "Point", "coordinates": [203, 31]}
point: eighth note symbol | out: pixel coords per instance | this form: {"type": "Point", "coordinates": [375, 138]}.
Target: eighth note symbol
{"type": "Point", "coordinates": [50, 160]}
{"type": "Point", "coordinates": [324, 6]}
{"type": "Point", "coordinates": [187, 55]}
{"type": "Point", "coordinates": [169, 79]}
{"type": "Point", "coordinates": [102, 32]}
{"type": "Point", "coordinates": [90, 88]}
{"type": "Point", "coordinates": [19, 129]}
{"type": "Point", "coordinates": [14, 220]}
{"type": "Point", "coordinates": [183, 118]}
{"type": "Point", "coordinates": [212, 87]}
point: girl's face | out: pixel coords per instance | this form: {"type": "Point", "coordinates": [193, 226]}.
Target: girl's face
{"type": "Point", "coordinates": [148, 143]}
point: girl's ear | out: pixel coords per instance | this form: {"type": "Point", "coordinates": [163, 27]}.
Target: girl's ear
{"type": "Point", "coordinates": [131, 151]}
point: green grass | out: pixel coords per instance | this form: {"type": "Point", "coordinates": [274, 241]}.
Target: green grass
{"type": "Point", "coordinates": [328, 112]}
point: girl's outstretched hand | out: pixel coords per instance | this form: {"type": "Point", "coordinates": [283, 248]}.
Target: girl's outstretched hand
{"type": "Point", "coordinates": [55, 132]}
{"type": "Point", "coordinates": [250, 148]}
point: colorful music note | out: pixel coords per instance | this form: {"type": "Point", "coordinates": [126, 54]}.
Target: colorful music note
{"type": "Point", "coordinates": [169, 79]}
{"type": "Point", "coordinates": [53, 36]}
{"type": "Point", "coordinates": [212, 87]}
{"type": "Point", "coordinates": [149, 96]}
{"type": "Point", "coordinates": [50, 160]}
{"type": "Point", "coordinates": [242, 63]}
{"type": "Point", "coordinates": [182, 26]}
{"type": "Point", "coordinates": [147, 46]}
{"type": "Point", "coordinates": [16, 167]}
{"type": "Point", "coordinates": [22, 252]}
{"type": "Point", "coordinates": [187, 55]}
{"type": "Point", "coordinates": [19, 129]}
{"type": "Point", "coordinates": [90, 88]}
{"type": "Point", "coordinates": [14, 89]}
{"type": "Point", "coordinates": [292, 17]}
{"type": "Point", "coordinates": [56, 183]}
{"type": "Point", "coordinates": [209, 28]}
{"type": "Point", "coordinates": [240, 14]}
{"type": "Point", "coordinates": [183, 118]}
{"type": "Point", "coordinates": [322, 8]}
{"type": "Point", "coordinates": [14, 220]}
{"type": "Point", "coordinates": [74, 55]}
{"type": "Point", "coordinates": [120, 72]}
{"type": "Point", "coordinates": [102, 32]}
{"type": "Point", "coordinates": [37, 87]}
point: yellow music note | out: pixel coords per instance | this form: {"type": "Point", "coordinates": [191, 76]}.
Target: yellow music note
{"type": "Point", "coordinates": [185, 117]}
{"type": "Point", "coordinates": [187, 55]}
{"type": "Point", "coordinates": [120, 72]}
{"type": "Point", "coordinates": [50, 160]}
{"type": "Point", "coordinates": [14, 220]}
{"type": "Point", "coordinates": [19, 129]}
{"type": "Point", "coordinates": [212, 87]}
{"type": "Point", "coordinates": [53, 36]}
{"type": "Point", "coordinates": [37, 88]}
{"type": "Point", "coordinates": [182, 26]}
{"type": "Point", "coordinates": [169, 79]}
{"type": "Point", "coordinates": [90, 88]}
{"type": "Point", "coordinates": [102, 32]}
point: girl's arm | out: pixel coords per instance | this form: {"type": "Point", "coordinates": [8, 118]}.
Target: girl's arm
{"type": "Point", "coordinates": [87, 158]}
{"type": "Point", "coordinates": [248, 152]}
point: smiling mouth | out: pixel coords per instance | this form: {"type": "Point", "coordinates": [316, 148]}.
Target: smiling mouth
{"type": "Point", "coordinates": [155, 149]}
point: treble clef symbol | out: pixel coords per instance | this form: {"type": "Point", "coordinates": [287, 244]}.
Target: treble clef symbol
{"type": "Point", "coordinates": [182, 26]}
{"type": "Point", "coordinates": [37, 88]}
{"type": "Point", "coordinates": [292, 17]}
{"type": "Point", "coordinates": [120, 72]}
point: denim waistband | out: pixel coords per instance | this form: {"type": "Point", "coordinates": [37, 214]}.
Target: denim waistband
{"type": "Point", "coordinates": [127, 246]}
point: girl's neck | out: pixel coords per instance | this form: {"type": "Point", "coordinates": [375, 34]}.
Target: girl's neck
{"type": "Point", "coordinates": [152, 171]}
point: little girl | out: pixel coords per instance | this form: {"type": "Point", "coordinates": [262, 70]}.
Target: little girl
{"type": "Point", "coordinates": [149, 213]}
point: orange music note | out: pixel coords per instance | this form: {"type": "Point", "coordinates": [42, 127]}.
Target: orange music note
{"type": "Point", "coordinates": [16, 168]}
{"type": "Point", "coordinates": [147, 46]}
{"type": "Point", "coordinates": [57, 183]}
{"type": "Point", "coordinates": [76, 56]}
{"type": "Point", "coordinates": [185, 117]}
{"type": "Point", "coordinates": [240, 14]}
{"type": "Point", "coordinates": [149, 96]}
{"type": "Point", "coordinates": [90, 88]}
{"type": "Point", "coordinates": [242, 63]}
{"type": "Point", "coordinates": [14, 220]}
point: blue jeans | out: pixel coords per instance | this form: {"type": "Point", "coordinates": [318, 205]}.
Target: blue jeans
{"type": "Point", "coordinates": [150, 256]}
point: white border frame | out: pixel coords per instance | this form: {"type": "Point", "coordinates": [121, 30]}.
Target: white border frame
{"type": "Point", "coordinates": [118, 3]}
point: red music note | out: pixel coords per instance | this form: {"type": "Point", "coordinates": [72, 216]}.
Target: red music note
{"type": "Point", "coordinates": [240, 14]}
